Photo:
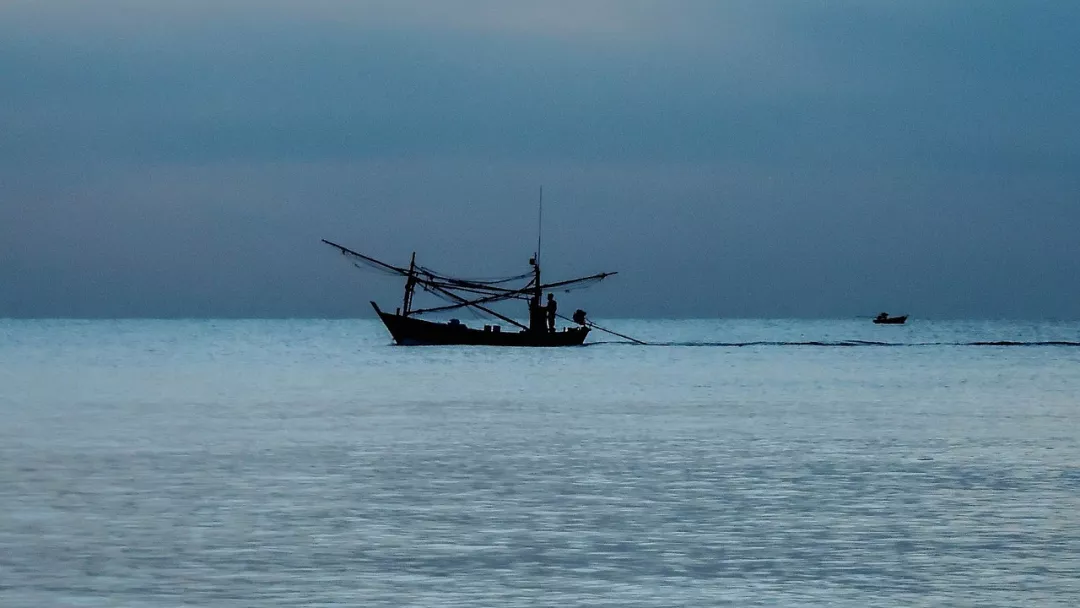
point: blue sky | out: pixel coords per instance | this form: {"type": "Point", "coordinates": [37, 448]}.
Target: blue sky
{"type": "Point", "coordinates": [728, 158]}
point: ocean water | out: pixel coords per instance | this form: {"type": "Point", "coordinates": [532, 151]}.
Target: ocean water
{"type": "Point", "coordinates": [736, 463]}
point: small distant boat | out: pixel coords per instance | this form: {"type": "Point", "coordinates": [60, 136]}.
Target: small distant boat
{"type": "Point", "coordinates": [885, 319]}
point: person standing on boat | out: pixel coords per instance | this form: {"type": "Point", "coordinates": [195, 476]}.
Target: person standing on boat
{"type": "Point", "coordinates": [552, 307]}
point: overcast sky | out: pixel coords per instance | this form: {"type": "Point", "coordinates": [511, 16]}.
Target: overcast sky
{"type": "Point", "coordinates": [750, 159]}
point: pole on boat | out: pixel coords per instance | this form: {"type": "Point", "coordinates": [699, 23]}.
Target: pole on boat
{"type": "Point", "coordinates": [539, 226]}
{"type": "Point", "coordinates": [410, 285]}
{"type": "Point", "coordinates": [597, 327]}
{"type": "Point", "coordinates": [537, 286]}
{"type": "Point", "coordinates": [614, 333]}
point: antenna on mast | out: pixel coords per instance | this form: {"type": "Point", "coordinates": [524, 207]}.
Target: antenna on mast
{"type": "Point", "coordinates": [539, 225]}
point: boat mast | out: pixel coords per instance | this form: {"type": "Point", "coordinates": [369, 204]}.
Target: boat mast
{"type": "Point", "coordinates": [539, 225]}
{"type": "Point", "coordinates": [410, 286]}
{"type": "Point", "coordinates": [539, 235]}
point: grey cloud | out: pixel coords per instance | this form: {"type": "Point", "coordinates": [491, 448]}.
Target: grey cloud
{"type": "Point", "coordinates": [744, 159]}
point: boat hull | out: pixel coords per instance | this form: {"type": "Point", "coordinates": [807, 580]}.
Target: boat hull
{"type": "Point", "coordinates": [409, 331]}
{"type": "Point", "coordinates": [891, 321]}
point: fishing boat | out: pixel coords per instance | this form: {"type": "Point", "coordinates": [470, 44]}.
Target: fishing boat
{"type": "Point", "coordinates": [408, 329]}
{"type": "Point", "coordinates": [885, 319]}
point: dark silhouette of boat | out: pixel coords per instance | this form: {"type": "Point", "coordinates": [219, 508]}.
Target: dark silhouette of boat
{"type": "Point", "coordinates": [408, 329]}
{"type": "Point", "coordinates": [885, 319]}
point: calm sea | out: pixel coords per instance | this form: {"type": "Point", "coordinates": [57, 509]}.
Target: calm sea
{"type": "Point", "coordinates": [310, 463]}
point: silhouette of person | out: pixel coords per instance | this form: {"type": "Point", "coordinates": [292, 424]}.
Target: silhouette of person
{"type": "Point", "coordinates": [551, 307]}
